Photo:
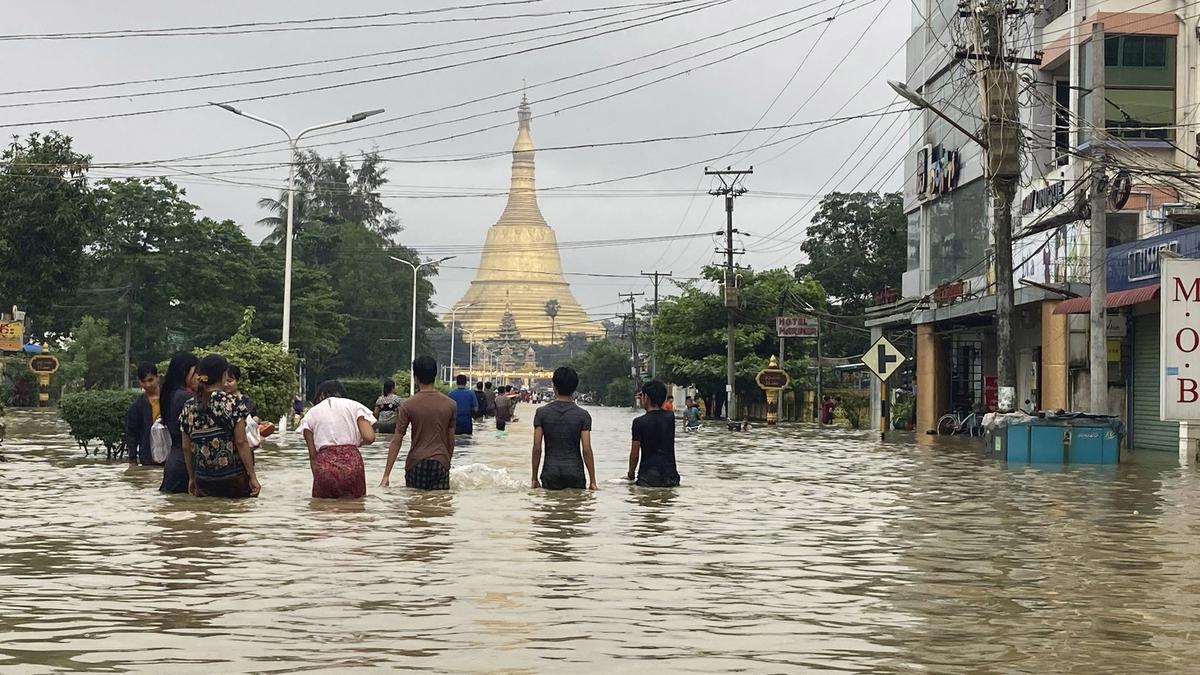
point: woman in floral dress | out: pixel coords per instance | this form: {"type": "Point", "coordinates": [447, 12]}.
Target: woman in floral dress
{"type": "Point", "coordinates": [213, 422]}
{"type": "Point", "coordinates": [333, 429]}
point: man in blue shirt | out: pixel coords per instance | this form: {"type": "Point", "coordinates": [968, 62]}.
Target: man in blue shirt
{"type": "Point", "coordinates": [467, 404]}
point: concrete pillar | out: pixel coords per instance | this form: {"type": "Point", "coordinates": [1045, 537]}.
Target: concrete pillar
{"type": "Point", "coordinates": [1056, 344]}
{"type": "Point", "coordinates": [876, 409]}
{"type": "Point", "coordinates": [1189, 442]}
{"type": "Point", "coordinates": [933, 390]}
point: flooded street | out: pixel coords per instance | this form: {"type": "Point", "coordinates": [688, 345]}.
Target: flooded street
{"type": "Point", "coordinates": [786, 550]}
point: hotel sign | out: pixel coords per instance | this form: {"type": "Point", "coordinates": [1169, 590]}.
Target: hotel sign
{"type": "Point", "coordinates": [938, 170]}
{"type": "Point", "coordinates": [799, 326]}
{"type": "Point", "coordinates": [1179, 370]}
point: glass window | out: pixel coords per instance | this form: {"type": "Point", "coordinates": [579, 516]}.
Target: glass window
{"type": "Point", "coordinates": [958, 234]}
{"type": "Point", "coordinates": [1139, 78]}
{"type": "Point", "coordinates": [914, 240]}
{"type": "Point", "coordinates": [1062, 120]}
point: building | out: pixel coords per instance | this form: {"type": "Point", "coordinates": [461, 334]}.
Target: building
{"type": "Point", "coordinates": [520, 270]}
{"type": "Point", "coordinates": [949, 288]}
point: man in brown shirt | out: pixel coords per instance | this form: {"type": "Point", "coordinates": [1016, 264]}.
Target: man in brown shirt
{"type": "Point", "coordinates": [431, 415]}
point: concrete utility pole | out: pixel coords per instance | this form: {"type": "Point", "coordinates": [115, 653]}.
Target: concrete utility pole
{"type": "Point", "coordinates": [1097, 324]}
{"type": "Point", "coordinates": [637, 360]}
{"type": "Point", "coordinates": [1002, 136]}
{"type": "Point", "coordinates": [730, 188]}
{"type": "Point", "coordinates": [654, 320]}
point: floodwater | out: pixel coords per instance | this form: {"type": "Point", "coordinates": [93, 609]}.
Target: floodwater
{"type": "Point", "coordinates": [786, 550]}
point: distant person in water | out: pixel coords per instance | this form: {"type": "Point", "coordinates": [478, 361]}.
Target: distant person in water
{"type": "Point", "coordinates": [215, 449]}
{"type": "Point", "coordinates": [504, 408]}
{"type": "Point", "coordinates": [141, 416]}
{"type": "Point", "coordinates": [467, 405]}
{"type": "Point", "coordinates": [489, 397]}
{"type": "Point", "coordinates": [431, 415]}
{"type": "Point", "coordinates": [386, 407]}
{"type": "Point", "coordinates": [566, 430]}
{"type": "Point", "coordinates": [652, 454]}
{"type": "Point", "coordinates": [691, 415]}
{"type": "Point", "coordinates": [176, 390]}
{"type": "Point", "coordinates": [233, 384]}
{"type": "Point", "coordinates": [334, 428]}
{"type": "Point", "coordinates": [669, 406]}
{"type": "Point", "coordinates": [480, 401]}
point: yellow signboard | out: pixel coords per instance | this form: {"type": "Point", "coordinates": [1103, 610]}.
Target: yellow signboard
{"type": "Point", "coordinates": [1114, 351]}
{"type": "Point", "coordinates": [12, 336]}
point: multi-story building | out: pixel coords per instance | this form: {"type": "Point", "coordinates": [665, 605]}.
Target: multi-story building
{"type": "Point", "coordinates": [1151, 55]}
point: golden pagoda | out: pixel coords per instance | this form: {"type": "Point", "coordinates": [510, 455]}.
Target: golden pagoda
{"type": "Point", "coordinates": [520, 270]}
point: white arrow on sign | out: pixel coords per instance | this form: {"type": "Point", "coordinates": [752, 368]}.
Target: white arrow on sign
{"type": "Point", "coordinates": [883, 359]}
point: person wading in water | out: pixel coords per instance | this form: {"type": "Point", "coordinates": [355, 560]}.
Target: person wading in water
{"type": "Point", "coordinates": [431, 415]}
{"type": "Point", "coordinates": [333, 430]}
{"type": "Point", "coordinates": [652, 455]}
{"type": "Point", "coordinates": [215, 449]}
{"type": "Point", "coordinates": [567, 431]}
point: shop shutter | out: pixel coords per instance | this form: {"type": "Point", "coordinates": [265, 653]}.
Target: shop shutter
{"type": "Point", "coordinates": [1147, 432]}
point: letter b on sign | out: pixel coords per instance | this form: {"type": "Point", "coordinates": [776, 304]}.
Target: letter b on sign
{"type": "Point", "coordinates": [1187, 391]}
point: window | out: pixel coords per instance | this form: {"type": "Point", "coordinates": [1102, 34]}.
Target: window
{"type": "Point", "coordinates": [1056, 8]}
{"type": "Point", "coordinates": [1139, 82]}
{"type": "Point", "coordinates": [914, 240]}
{"type": "Point", "coordinates": [1062, 121]}
{"type": "Point", "coordinates": [958, 233]}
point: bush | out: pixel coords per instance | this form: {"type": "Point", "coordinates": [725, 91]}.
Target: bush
{"type": "Point", "coordinates": [18, 384]}
{"type": "Point", "coordinates": [855, 404]}
{"type": "Point", "coordinates": [268, 374]}
{"type": "Point", "coordinates": [401, 379]}
{"type": "Point", "coordinates": [619, 392]}
{"type": "Point", "coordinates": [365, 390]}
{"type": "Point", "coordinates": [98, 415]}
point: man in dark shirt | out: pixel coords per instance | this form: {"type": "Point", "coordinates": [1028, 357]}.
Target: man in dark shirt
{"type": "Point", "coordinates": [141, 416]}
{"type": "Point", "coordinates": [480, 401]}
{"type": "Point", "coordinates": [566, 430]}
{"type": "Point", "coordinates": [489, 398]}
{"type": "Point", "coordinates": [653, 440]}
{"type": "Point", "coordinates": [467, 405]}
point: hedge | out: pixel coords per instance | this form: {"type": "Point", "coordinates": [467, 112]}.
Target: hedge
{"type": "Point", "coordinates": [365, 390]}
{"type": "Point", "coordinates": [98, 415]}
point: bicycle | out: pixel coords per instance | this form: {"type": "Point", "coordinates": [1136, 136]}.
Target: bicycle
{"type": "Point", "coordinates": [953, 424]}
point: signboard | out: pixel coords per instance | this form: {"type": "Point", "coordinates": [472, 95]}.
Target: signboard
{"type": "Point", "coordinates": [772, 379]}
{"type": "Point", "coordinates": [44, 364]}
{"type": "Point", "coordinates": [12, 336]}
{"type": "Point", "coordinates": [884, 359]}
{"type": "Point", "coordinates": [801, 326]}
{"type": "Point", "coordinates": [937, 171]}
{"type": "Point", "coordinates": [1043, 198]}
{"type": "Point", "coordinates": [1179, 370]}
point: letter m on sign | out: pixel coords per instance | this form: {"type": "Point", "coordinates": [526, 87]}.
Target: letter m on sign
{"type": "Point", "coordinates": [1190, 290]}
{"type": "Point", "coordinates": [1179, 343]}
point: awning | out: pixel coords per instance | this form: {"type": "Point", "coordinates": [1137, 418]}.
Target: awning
{"type": "Point", "coordinates": [1115, 299]}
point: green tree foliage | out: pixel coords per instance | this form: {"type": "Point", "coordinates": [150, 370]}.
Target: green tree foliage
{"type": "Point", "coordinates": [46, 212]}
{"type": "Point", "coordinates": [97, 415]}
{"type": "Point", "coordinates": [856, 245]}
{"type": "Point", "coordinates": [691, 329]}
{"type": "Point", "coordinates": [268, 374]}
{"type": "Point", "coordinates": [365, 390]}
{"type": "Point", "coordinates": [600, 367]}
{"type": "Point", "coordinates": [94, 357]}
{"type": "Point", "coordinates": [318, 321]}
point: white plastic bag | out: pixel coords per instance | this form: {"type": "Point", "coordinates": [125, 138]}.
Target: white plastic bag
{"type": "Point", "coordinates": [252, 435]}
{"type": "Point", "coordinates": [160, 442]}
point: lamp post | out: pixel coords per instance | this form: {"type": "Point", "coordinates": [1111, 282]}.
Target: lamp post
{"type": "Point", "coordinates": [470, 353]}
{"type": "Point", "coordinates": [412, 383]}
{"type": "Point", "coordinates": [287, 256]}
{"type": "Point", "coordinates": [453, 310]}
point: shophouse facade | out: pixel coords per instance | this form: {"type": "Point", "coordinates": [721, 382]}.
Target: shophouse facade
{"type": "Point", "coordinates": [1150, 57]}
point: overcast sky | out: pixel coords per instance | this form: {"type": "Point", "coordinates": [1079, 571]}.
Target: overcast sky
{"type": "Point", "coordinates": [731, 95]}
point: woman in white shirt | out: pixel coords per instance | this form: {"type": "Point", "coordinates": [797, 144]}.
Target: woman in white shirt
{"type": "Point", "coordinates": [333, 429]}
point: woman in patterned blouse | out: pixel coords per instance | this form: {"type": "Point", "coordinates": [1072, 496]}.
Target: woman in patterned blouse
{"type": "Point", "coordinates": [213, 422]}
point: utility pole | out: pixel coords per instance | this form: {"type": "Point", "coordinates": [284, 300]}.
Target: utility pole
{"type": "Point", "coordinates": [731, 187]}
{"type": "Point", "coordinates": [654, 320]}
{"type": "Point", "coordinates": [998, 84]}
{"type": "Point", "coordinates": [637, 361]}
{"type": "Point", "coordinates": [128, 330]}
{"type": "Point", "coordinates": [1097, 323]}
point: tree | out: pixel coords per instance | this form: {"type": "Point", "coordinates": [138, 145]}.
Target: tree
{"type": "Point", "coordinates": [94, 356]}
{"type": "Point", "coordinates": [552, 312]}
{"type": "Point", "coordinates": [46, 211]}
{"type": "Point", "coordinates": [599, 366]}
{"type": "Point", "coordinates": [268, 373]}
{"type": "Point", "coordinates": [691, 329]}
{"type": "Point", "coordinates": [318, 322]}
{"type": "Point", "coordinates": [856, 245]}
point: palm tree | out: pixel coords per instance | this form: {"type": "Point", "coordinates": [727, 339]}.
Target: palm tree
{"type": "Point", "coordinates": [552, 312]}
{"type": "Point", "coordinates": [278, 221]}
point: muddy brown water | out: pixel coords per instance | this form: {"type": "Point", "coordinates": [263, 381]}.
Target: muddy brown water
{"type": "Point", "coordinates": [786, 550]}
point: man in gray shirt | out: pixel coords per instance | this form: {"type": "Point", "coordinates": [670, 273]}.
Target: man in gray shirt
{"type": "Point", "coordinates": [566, 430]}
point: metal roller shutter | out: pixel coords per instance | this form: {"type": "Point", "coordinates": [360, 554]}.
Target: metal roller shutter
{"type": "Point", "coordinates": [1147, 432]}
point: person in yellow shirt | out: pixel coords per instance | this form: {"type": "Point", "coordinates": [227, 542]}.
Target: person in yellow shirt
{"type": "Point", "coordinates": [141, 416]}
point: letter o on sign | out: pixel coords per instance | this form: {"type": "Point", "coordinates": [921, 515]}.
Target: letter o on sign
{"type": "Point", "coordinates": [1187, 336]}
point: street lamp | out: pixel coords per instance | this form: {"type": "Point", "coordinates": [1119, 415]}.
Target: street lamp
{"type": "Point", "coordinates": [412, 383]}
{"type": "Point", "coordinates": [922, 102]}
{"type": "Point", "coordinates": [287, 256]}
{"type": "Point", "coordinates": [452, 318]}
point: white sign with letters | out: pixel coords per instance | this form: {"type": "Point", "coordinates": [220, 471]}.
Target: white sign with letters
{"type": "Point", "coordinates": [1179, 298]}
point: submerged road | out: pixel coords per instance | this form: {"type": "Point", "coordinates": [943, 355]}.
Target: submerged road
{"type": "Point", "coordinates": [786, 550]}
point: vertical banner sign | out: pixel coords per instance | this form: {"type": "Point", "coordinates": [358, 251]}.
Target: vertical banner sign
{"type": "Point", "coordinates": [1179, 298]}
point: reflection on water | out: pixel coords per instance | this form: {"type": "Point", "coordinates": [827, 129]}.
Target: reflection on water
{"type": "Point", "coordinates": [785, 550]}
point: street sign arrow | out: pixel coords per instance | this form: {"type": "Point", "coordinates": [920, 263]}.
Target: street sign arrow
{"type": "Point", "coordinates": [883, 359]}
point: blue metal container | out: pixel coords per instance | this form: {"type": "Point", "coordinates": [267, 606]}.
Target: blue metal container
{"type": "Point", "coordinates": [1059, 440]}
